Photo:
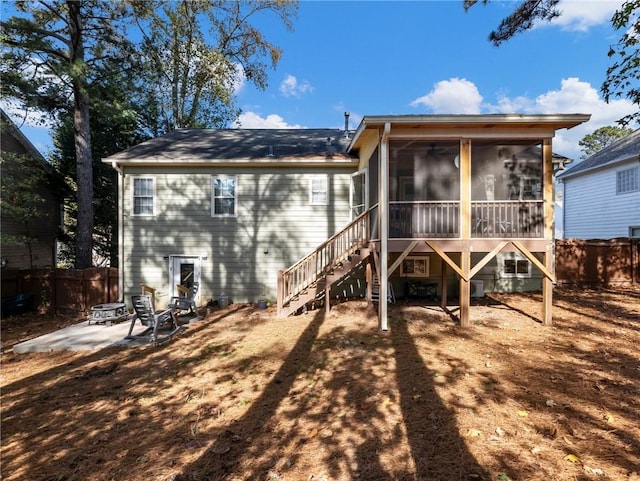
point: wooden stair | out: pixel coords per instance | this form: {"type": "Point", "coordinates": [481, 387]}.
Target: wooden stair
{"type": "Point", "coordinates": [308, 280]}
{"type": "Point", "coordinates": [316, 292]}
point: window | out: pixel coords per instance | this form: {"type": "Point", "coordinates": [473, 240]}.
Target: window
{"type": "Point", "coordinates": [318, 190]}
{"type": "Point", "coordinates": [514, 265]}
{"type": "Point", "coordinates": [417, 266]}
{"type": "Point", "coordinates": [224, 196]}
{"type": "Point", "coordinates": [634, 232]}
{"type": "Point", "coordinates": [143, 196]}
{"type": "Point", "coordinates": [628, 180]}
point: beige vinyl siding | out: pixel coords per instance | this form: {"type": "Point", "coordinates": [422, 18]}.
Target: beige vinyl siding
{"type": "Point", "coordinates": [275, 226]}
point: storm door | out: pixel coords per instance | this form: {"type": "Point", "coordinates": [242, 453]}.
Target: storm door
{"type": "Point", "coordinates": [184, 271]}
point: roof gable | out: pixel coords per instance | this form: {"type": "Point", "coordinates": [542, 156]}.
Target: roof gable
{"type": "Point", "coordinates": [623, 149]}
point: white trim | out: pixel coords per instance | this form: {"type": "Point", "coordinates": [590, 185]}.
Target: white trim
{"type": "Point", "coordinates": [197, 272]}
{"type": "Point", "coordinates": [325, 179]}
{"type": "Point", "coordinates": [365, 192]}
{"type": "Point", "coordinates": [518, 258]}
{"type": "Point", "coordinates": [133, 196]}
{"type": "Point", "coordinates": [422, 267]}
{"type": "Point", "coordinates": [235, 195]}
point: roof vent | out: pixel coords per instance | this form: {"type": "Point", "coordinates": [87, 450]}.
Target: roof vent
{"type": "Point", "coordinates": [270, 153]}
{"type": "Point", "coordinates": [328, 141]}
{"type": "Point", "coordinates": [346, 125]}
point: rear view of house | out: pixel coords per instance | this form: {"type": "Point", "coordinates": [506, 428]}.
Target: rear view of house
{"type": "Point", "coordinates": [417, 205]}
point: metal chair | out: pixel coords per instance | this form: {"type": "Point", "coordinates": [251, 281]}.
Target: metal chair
{"type": "Point", "coordinates": [161, 326]}
{"type": "Point", "coordinates": [187, 301]}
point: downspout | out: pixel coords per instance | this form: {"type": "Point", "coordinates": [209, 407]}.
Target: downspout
{"type": "Point", "coordinates": [383, 213]}
{"type": "Point", "coordinates": [120, 230]}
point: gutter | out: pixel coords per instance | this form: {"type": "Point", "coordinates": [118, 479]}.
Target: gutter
{"type": "Point", "coordinates": [120, 171]}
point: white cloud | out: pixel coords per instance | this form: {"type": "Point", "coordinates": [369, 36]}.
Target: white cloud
{"type": "Point", "coordinates": [573, 97]}
{"type": "Point", "coordinates": [580, 15]}
{"type": "Point", "coordinates": [453, 96]}
{"type": "Point", "coordinates": [576, 96]}
{"type": "Point", "coordinates": [239, 80]}
{"type": "Point", "coordinates": [290, 87]}
{"type": "Point", "coordinates": [252, 120]}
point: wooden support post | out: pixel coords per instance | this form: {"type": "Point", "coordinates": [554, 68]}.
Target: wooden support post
{"type": "Point", "coordinates": [369, 279]}
{"type": "Point", "coordinates": [465, 230]}
{"type": "Point", "coordinates": [549, 261]}
{"type": "Point", "coordinates": [547, 290]}
{"type": "Point", "coordinates": [443, 278]}
{"type": "Point", "coordinates": [327, 299]}
{"type": "Point", "coordinates": [465, 287]}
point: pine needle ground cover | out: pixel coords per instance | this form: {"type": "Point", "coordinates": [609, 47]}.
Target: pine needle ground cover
{"type": "Point", "coordinates": [242, 395]}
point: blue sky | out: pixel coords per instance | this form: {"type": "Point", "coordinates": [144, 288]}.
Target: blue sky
{"type": "Point", "coordinates": [430, 57]}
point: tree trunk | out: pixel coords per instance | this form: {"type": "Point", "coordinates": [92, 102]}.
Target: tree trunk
{"type": "Point", "coordinates": [82, 134]}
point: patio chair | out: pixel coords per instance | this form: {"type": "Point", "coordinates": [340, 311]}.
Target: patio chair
{"type": "Point", "coordinates": [186, 300]}
{"type": "Point", "coordinates": [161, 326]}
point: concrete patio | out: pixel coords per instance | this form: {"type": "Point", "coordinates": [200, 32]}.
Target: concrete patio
{"type": "Point", "coordinates": [86, 337]}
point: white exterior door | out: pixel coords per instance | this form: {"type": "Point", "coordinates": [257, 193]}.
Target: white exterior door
{"type": "Point", "coordinates": [184, 270]}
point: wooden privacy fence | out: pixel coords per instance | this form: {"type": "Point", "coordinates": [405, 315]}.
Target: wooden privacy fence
{"type": "Point", "coordinates": [596, 262]}
{"type": "Point", "coordinates": [63, 291]}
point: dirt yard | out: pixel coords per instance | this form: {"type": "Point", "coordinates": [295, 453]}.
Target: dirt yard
{"type": "Point", "coordinates": [245, 396]}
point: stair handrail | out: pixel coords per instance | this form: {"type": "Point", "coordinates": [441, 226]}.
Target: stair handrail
{"type": "Point", "coordinates": [310, 268]}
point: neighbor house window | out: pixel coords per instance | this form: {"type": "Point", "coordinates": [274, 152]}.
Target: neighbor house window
{"type": "Point", "coordinates": [514, 265]}
{"type": "Point", "coordinates": [318, 190]}
{"type": "Point", "coordinates": [143, 196]}
{"type": "Point", "coordinates": [415, 266]}
{"type": "Point", "coordinates": [628, 180]}
{"type": "Point", "coordinates": [224, 196]}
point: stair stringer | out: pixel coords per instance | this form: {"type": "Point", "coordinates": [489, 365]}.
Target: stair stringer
{"type": "Point", "coordinates": [316, 292]}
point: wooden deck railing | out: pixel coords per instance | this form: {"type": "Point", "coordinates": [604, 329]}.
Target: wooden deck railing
{"type": "Point", "coordinates": [490, 219]}
{"type": "Point", "coordinates": [424, 219]}
{"type": "Point", "coordinates": [327, 255]}
{"type": "Point", "coordinates": [507, 219]}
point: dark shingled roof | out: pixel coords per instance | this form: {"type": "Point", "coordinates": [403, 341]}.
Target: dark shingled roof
{"type": "Point", "coordinates": [197, 145]}
{"type": "Point", "coordinates": [624, 149]}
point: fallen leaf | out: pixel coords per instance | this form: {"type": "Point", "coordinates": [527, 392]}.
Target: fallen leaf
{"type": "Point", "coordinates": [573, 458]}
{"type": "Point", "coordinates": [500, 431]}
{"type": "Point", "coordinates": [590, 470]}
{"type": "Point", "coordinates": [386, 402]}
{"type": "Point", "coordinates": [536, 450]}
{"type": "Point", "coordinates": [609, 418]}
{"type": "Point", "coordinates": [567, 440]}
{"type": "Point", "coordinates": [550, 402]}
{"type": "Point", "coordinates": [523, 413]}
{"type": "Point", "coordinates": [474, 433]}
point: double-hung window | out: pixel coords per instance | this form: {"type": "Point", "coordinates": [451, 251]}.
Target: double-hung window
{"type": "Point", "coordinates": [143, 196]}
{"type": "Point", "coordinates": [318, 190]}
{"type": "Point", "coordinates": [628, 180]}
{"type": "Point", "coordinates": [224, 194]}
{"type": "Point", "coordinates": [514, 265]}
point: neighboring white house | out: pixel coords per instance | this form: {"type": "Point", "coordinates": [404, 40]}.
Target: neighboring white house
{"type": "Point", "coordinates": [602, 193]}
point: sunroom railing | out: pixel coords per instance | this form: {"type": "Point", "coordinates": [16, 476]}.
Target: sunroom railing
{"type": "Point", "coordinates": [489, 219]}
{"type": "Point", "coordinates": [507, 219]}
{"type": "Point", "coordinates": [424, 219]}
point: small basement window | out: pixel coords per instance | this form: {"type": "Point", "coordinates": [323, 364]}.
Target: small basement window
{"type": "Point", "coordinates": [415, 266]}
{"type": "Point", "coordinates": [514, 265]}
